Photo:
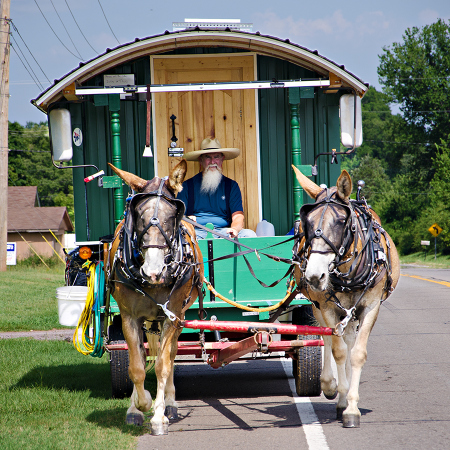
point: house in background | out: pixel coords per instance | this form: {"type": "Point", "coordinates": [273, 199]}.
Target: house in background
{"type": "Point", "coordinates": [30, 225]}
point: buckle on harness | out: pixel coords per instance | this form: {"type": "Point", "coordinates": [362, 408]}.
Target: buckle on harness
{"type": "Point", "coordinates": [172, 317]}
{"type": "Point", "coordinates": [340, 327]}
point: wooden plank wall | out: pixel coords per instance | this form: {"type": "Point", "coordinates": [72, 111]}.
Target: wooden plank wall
{"type": "Point", "coordinates": [229, 116]}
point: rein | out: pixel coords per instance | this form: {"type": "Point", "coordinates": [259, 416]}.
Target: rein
{"type": "Point", "coordinates": [249, 250]}
{"type": "Point", "coordinates": [180, 263]}
{"type": "Point", "coordinates": [368, 265]}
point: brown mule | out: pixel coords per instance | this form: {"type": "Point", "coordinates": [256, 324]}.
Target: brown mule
{"type": "Point", "coordinates": [349, 265]}
{"type": "Point", "coordinates": [154, 273]}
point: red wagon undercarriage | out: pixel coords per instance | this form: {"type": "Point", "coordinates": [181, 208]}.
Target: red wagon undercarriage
{"type": "Point", "coordinates": [261, 340]}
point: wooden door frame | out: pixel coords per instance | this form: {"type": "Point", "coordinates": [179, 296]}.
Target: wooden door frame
{"type": "Point", "coordinates": [213, 55]}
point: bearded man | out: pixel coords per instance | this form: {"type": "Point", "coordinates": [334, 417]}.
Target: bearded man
{"type": "Point", "coordinates": [211, 197]}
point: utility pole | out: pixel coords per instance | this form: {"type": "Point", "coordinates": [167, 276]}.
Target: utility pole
{"type": "Point", "coordinates": [4, 103]}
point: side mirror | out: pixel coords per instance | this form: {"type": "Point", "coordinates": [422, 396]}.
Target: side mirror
{"type": "Point", "coordinates": [61, 134]}
{"type": "Point", "coordinates": [351, 121]}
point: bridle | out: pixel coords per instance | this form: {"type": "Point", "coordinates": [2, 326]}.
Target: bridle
{"type": "Point", "coordinates": [138, 201]}
{"type": "Point", "coordinates": [350, 227]}
{"type": "Point", "coordinates": [182, 261]}
{"type": "Point", "coordinates": [368, 265]}
{"type": "Point", "coordinates": [131, 240]}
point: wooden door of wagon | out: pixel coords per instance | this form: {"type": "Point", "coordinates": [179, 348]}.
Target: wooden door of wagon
{"type": "Point", "coordinates": [229, 116]}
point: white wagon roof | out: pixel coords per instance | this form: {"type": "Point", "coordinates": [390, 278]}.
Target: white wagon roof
{"type": "Point", "coordinates": [169, 41]}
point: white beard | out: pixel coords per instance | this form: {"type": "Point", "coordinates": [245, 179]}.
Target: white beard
{"type": "Point", "coordinates": [211, 180]}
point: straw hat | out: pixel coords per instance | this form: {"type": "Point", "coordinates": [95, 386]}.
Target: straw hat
{"type": "Point", "coordinates": [212, 146]}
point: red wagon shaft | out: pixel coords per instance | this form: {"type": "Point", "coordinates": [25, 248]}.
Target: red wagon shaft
{"type": "Point", "coordinates": [252, 327]}
{"type": "Point", "coordinates": [260, 341]}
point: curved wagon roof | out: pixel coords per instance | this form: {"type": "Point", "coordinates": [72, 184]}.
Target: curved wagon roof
{"type": "Point", "coordinates": [170, 41]}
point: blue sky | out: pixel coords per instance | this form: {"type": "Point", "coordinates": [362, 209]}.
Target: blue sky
{"type": "Point", "coordinates": [351, 33]}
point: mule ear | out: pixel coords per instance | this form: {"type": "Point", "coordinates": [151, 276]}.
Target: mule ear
{"type": "Point", "coordinates": [176, 177]}
{"type": "Point", "coordinates": [136, 183]}
{"type": "Point", "coordinates": [344, 186]}
{"type": "Point", "coordinates": [308, 185]}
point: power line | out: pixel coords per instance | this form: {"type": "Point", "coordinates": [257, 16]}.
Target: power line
{"type": "Point", "coordinates": [51, 1]}
{"type": "Point", "coordinates": [17, 31]}
{"type": "Point", "coordinates": [29, 65]}
{"type": "Point", "coordinates": [424, 111]}
{"type": "Point", "coordinates": [401, 143]}
{"type": "Point", "coordinates": [79, 27]}
{"type": "Point", "coordinates": [31, 151]}
{"type": "Point", "coordinates": [54, 31]}
{"type": "Point", "coordinates": [101, 7]}
{"type": "Point", "coordinates": [26, 68]}
{"type": "Point", "coordinates": [26, 131]}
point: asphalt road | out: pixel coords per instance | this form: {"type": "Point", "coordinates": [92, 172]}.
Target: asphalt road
{"type": "Point", "coordinates": [404, 393]}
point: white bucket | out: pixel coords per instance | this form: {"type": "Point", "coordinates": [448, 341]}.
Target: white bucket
{"type": "Point", "coordinates": [71, 301]}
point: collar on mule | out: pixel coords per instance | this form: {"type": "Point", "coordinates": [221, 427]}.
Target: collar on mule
{"type": "Point", "coordinates": [368, 265]}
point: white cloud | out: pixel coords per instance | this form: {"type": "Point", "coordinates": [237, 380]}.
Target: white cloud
{"type": "Point", "coordinates": [335, 25]}
{"type": "Point", "coordinates": [428, 16]}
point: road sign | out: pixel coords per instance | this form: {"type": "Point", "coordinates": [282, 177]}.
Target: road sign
{"type": "Point", "coordinates": [435, 230]}
{"type": "Point", "coordinates": [11, 250]}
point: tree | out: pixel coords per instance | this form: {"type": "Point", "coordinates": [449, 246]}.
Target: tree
{"type": "Point", "coordinates": [439, 209]}
{"type": "Point", "coordinates": [415, 74]}
{"type": "Point", "coordinates": [384, 132]}
{"type": "Point", "coordinates": [30, 164]}
{"type": "Point", "coordinates": [377, 183]}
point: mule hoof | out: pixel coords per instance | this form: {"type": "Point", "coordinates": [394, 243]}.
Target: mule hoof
{"type": "Point", "coordinates": [160, 429]}
{"type": "Point", "coordinates": [135, 419]}
{"type": "Point", "coordinates": [339, 413]}
{"type": "Point", "coordinates": [331, 396]}
{"type": "Point", "coordinates": [350, 421]}
{"type": "Point", "coordinates": [171, 412]}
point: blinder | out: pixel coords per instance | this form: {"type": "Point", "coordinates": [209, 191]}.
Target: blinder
{"type": "Point", "coordinates": [318, 233]}
{"type": "Point", "coordinates": [132, 241]}
{"type": "Point", "coordinates": [137, 199]}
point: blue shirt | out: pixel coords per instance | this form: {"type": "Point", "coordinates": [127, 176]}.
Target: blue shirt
{"type": "Point", "coordinates": [212, 208]}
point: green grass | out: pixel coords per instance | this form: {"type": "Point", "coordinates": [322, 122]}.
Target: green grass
{"type": "Point", "coordinates": [28, 297]}
{"type": "Point", "coordinates": [51, 396]}
{"type": "Point", "coordinates": [420, 259]}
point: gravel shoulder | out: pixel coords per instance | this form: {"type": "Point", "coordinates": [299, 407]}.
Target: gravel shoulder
{"type": "Point", "coordinates": [46, 335]}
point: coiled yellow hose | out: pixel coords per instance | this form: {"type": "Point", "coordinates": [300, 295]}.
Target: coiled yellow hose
{"type": "Point", "coordinates": [86, 346]}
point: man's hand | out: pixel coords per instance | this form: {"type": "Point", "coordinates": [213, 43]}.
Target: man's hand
{"type": "Point", "coordinates": [237, 223]}
{"type": "Point", "coordinates": [192, 218]}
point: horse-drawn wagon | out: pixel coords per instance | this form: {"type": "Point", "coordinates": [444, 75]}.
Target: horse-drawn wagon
{"type": "Point", "coordinates": [142, 106]}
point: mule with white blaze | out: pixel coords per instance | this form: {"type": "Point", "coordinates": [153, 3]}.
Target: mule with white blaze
{"type": "Point", "coordinates": [154, 274]}
{"type": "Point", "coordinates": [348, 266]}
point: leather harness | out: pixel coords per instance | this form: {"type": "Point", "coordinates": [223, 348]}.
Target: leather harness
{"type": "Point", "coordinates": [180, 263]}
{"type": "Point", "coordinates": [368, 265]}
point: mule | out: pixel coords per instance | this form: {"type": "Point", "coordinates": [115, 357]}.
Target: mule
{"type": "Point", "coordinates": [154, 274]}
{"type": "Point", "coordinates": [348, 266]}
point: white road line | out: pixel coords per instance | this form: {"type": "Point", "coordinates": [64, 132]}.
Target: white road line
{"type": "Point", "coordinates": [310, 423]}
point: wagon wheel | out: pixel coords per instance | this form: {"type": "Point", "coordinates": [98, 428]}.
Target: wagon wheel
{"type": "Point", "coordinates": [308, 369]}
{"type": "Point", "coordinates": [307, 366]}
{"type": "Point", "coordinates": [121, 384]}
